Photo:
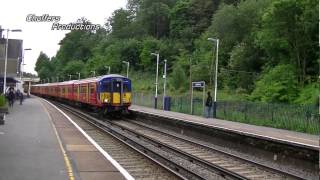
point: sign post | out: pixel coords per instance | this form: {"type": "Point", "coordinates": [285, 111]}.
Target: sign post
{"type": "Point", "coordinates": [199, 84]}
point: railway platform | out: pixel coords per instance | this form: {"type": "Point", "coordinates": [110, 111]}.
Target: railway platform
{"type": "Point", "coordinates": [38, 141]}
{"type": "Point", "coordinates": [272, 134]}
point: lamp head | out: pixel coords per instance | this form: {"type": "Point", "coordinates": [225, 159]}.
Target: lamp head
{"type": "Point", "coordinates": [212, 39]}
{"type": "Point", "coordinates": [16, 30]}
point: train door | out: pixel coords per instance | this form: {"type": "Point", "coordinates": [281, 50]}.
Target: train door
{"type": "Point", "coordinates": [75, 92]}
{"type": "Point", "coordinates": [92, 93]}
{"type": "Point", "coordinates": [84, 93]}
{"type": "Point", "coordinates": [117, 91]}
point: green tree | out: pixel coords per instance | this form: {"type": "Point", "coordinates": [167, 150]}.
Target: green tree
{"type": "Point", "coordinates": [189, 18]}
{"type": "Point", "coordinates": [309, 94]}
{"type": "Point", "coordinates": [121, 23]}
{"type": "Point", "coordinates": [289, 34]}
{"type": "Point", "coordinates": [150, 45]}
{"type": "Point", "coordinates": [154, 16]}
{"type": "Point", "coordinates": [277, 85]}
{"type": "Point", "coordinates": [43, 66]}
{"type": "Point", "coordinates": [78, 44]}
{"type": "Point", "coordinates": [42, 60]}
{"type": "Point", "coordinates": [178, 81]}
{"type": "Point", "coordinates": [74, 67]}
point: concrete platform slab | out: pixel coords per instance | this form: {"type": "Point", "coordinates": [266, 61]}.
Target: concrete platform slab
{"type": "Point", "coordinates": [100, 175]}
{"type": "Point", "coordinates": [87, 161]}
{"type": "Point", "coordinates": [29, 148]}
{"type": "Point", "coordinates": [71, 147]}
{"type": "Point", "coordinates": [92, 161]}
{"type": "Point", "coordinates": [72, 136]}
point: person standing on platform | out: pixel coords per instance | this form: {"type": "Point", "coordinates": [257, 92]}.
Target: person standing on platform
{"type": "Point", "coordinates": [208, 105]}
{"type": "Point", "coordinates": [21, 97]}
{"type": "Point", "coordinates": [11, 97]}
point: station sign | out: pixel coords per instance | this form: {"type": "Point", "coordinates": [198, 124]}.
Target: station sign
{"type": "Point", "coordinates": [199, 84]}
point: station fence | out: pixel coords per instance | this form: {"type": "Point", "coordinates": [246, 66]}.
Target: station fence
{"type": "Point", "coordinates": [301, 118]}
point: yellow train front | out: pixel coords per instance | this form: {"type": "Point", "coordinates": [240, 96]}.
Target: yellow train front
{"type": "Point", "coordinates": [114, 93]}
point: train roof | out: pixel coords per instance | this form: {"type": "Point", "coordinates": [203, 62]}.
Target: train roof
{"type": "Point", "coordinates": [87, 80]}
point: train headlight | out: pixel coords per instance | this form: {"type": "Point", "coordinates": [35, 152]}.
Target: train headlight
{"type": "Point", "coordinates": [106, 100]}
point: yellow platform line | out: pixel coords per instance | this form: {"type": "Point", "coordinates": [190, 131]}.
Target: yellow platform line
{"type": "Point", "coordinates": [65, 156]}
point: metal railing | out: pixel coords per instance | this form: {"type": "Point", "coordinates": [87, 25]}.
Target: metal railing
{"type": "Point", "coordinates": [302, 118]}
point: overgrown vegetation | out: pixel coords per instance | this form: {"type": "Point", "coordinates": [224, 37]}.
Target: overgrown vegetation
{"type": "Point", "coordinates": [2, 101]}
{"type": "Point", "coordinates": [268, 53]}
{"type": "Point", "coordinates": [268, 48]}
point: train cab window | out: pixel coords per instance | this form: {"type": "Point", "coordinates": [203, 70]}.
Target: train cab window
{"type": "Point", "coordinates": [108, 86]}
{"type": "Point", "coordinates": [116, 86]}
{"type": "Point", "coordinates": [126, 87]}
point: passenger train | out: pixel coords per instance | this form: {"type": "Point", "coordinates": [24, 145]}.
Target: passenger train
{"type": "Point", "coordinates": [107, 94]}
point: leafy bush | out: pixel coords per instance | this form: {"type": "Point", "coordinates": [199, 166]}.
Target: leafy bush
{"type": "Point", "coordinates": [2, 100]}
{"type": "Point", "coordinates": [178, 80]}
{"type": "Point", "coordinates": [277, 85]}
{"type": "Point", "coordinates": [309, 94]}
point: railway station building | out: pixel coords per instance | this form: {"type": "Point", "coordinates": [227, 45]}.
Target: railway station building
{"type": "Point", "coordinates": [13, 62]}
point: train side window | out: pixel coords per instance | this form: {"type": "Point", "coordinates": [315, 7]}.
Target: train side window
{"type": "Point", "coordinates": [83, 89]}
{"type": "Point", "coordinates": [92, 88]}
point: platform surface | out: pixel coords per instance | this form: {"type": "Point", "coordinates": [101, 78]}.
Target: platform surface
{"type": "Point", "coordinates": [290, 137]}
{"type": "Point", "coordinates": [38, 142]}
{"type": "Point", "coordinates": [29, 149]}
{"type": "Point", "coordinates": [88, 163]}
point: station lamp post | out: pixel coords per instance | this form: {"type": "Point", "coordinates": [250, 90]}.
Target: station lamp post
{"type": "Point", "coordinates": [22, 68]}
{"type": "Point", "coordinates": [6, 58]}
{"type": "Point", "coordinates": [215, 77]}
{"type": "Point", "coordinates": [22, 62]}
{"type": "Point", "coordinates": [70, 77]}
{"type": "Point", "coordinates": [156, 94]}
{"type": "Point", "coordinates": [165, 81]}
{"type": "Point", "coordinates": [128, 64]}
{"type": "Point", "coordinates": [78, 75]}
{"type": "Point", "coordinates": [109, 68]}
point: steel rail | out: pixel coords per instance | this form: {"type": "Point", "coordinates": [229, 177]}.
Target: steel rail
{"type": "Point", "coordinates": [217, 150]}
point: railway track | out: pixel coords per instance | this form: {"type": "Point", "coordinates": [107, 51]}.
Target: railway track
{"type": "Point", "coordinates": [184, 158]}
{"type": "Point", "coordinates": [248, 169]}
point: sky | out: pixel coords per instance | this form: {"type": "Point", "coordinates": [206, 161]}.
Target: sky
{"type": "Point", "coordinates": [38, 35]}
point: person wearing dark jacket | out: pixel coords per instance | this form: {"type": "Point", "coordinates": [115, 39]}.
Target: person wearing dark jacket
{"type": "Point", "coordinates": [11, 97]}
{"type": "Point", "coordinates": [21, 97]}
{"type": "Point", "coordinates": [208, 105]}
